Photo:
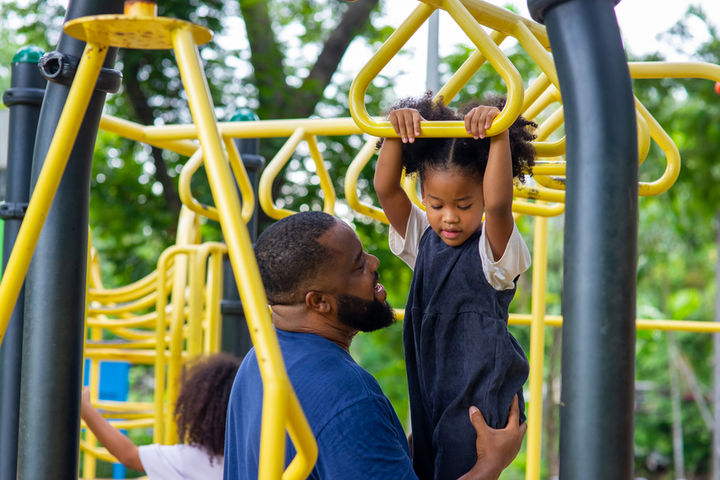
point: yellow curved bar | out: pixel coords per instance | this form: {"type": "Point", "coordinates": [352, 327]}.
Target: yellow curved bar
{"type": "Point", "coordinates": [538, 193]}
{"type": "Point", "coordinates": [272, 170]}
{"type": "Point", "coordinates": [185, 192]}
{"type": "Point", "coordinates": [351, 178]}
{"type": "Point", "coordinates": [644, 138]}
{"type": "Point", "coordinates": [481, 40]}
{"type": "Point", "coordinates": [550, 182]}
{"type": "Point", "coordinates": [58, 153]}
{"type": "Point", "coordinates": [277, 391]}
{"type": "Point", "coordinates": [538, 209]}
{"type": "Point", "coordinates": [247, 196]}
{"type": "Point", "coordinates": [326, 184]}
{"type": "Point", "coordinates": [500, 19]}
{"type": "Point", "coordinates": [381, 58]}
{"type": "Point", "coordinates": [466, 71]}
{"type": "Point", "coordinates": [409, 184]}
{"type": "Point", "coordinates": [549, 167]}
{"type": "Point", "coordinates": [672, 168]}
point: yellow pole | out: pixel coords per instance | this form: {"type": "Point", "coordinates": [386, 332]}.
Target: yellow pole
{"type": "Point", "coordinates": [49, 179]}
{"type": "Point", "coordinates": [275, 383]}
{"type": "Point", "coordinates": [537, 350]}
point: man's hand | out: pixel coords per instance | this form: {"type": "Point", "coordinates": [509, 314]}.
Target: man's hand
{"type": "Point", "coordinates": [496, 449]}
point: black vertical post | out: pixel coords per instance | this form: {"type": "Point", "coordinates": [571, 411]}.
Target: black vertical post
{"type": "Point", "coordinates": [23, 99]}
{"type": "Point", "coordinates": [598, 358]}
{"type": "Point", "coordinates": [235, 334]}
{"type": "Point", "coordinates": [55, 287]}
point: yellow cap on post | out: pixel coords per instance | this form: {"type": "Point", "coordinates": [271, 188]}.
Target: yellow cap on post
{"type": "Point", "coordinates": [140, 8]}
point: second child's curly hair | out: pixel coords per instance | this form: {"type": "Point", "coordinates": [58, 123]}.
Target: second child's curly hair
{"type": "Point", "coordinates": [467, 153]}
{"type": "Point", "coordinates": [201, 406]}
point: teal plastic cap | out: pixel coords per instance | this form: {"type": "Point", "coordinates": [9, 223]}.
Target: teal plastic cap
{"type": "Point", "coordinates": [28, 55]}
{"type": "Point", "coordinates": [245, 115]}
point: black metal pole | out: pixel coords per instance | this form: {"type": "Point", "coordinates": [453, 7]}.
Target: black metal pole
{"type": "Point", "coordinates": [235, 334]}
{"type": "Point", "coordinates": [55, 287]}
{"type": "Point", "coordinates": [23, 99]}
{"type": "Point", "coordinates": [598, 358]}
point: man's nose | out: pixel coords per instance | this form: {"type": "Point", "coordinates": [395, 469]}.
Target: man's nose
{"type": "Point", "coordinates": [373, 262]}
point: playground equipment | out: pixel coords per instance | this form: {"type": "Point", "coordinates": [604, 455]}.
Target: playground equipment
{"type": "Point", "coordinates": [176, 331]}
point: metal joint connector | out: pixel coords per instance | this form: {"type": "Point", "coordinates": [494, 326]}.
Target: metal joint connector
{"type": "Point", "coordinates": [60, 68]}
{"type": "Point", "coordinates": [13, 210]}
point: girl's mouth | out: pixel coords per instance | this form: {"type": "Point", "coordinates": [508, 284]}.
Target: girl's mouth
{"type": "Point", "coordinates": [450, 233]}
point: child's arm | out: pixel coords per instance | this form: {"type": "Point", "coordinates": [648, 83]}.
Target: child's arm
{"type": "Point", "coordinates": [111, 438]}
{"type": "Point", "coordinates": [388, 172]}
{"type": "Point", "coordinates": [497, 181]}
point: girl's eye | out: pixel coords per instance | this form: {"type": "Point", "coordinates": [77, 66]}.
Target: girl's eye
{"type": "Point", "coordinates": [436, 207]}
{"type": "Point", "coordinates": [464, 207]}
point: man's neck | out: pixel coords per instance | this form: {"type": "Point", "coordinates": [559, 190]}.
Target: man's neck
{"type": "Point", "coordinates": [297, 318]}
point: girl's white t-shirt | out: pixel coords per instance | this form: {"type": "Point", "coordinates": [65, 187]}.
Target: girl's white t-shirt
{"type": "Point", "coordinates": [180, 462]}
{"type": "Point", "coordinates": [500, 274]}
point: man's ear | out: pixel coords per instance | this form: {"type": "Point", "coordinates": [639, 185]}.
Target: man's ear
{"type": "Point", "coordinates": [319, 302]}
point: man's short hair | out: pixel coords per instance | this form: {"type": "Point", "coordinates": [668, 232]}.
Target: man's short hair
{"type": "Point", "coordinates": [290, 257]}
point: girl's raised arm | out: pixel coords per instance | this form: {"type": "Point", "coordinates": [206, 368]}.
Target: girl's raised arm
{"type": "Point", "coordinates": [388, 172]}
{"type": "Point", "coordinates": [497, 181]}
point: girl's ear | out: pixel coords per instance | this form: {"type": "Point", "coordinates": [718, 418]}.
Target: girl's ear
{"type": "Point", "coordinates": [318, 302]}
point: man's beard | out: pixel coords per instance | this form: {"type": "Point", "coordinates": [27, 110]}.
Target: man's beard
{"type": "Point", "coordinates": [364, 315]}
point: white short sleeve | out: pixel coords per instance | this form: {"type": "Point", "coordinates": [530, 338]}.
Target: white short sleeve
{"type": "Point", "coordinates": [514, 261]}
{"type": "Point", "coordinates": [407, 248]}
{"type": "Point", "coordinates": [179, 462]}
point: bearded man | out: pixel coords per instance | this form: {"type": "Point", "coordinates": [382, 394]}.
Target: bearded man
{"type": "Point", "coordinates": [323, 289]}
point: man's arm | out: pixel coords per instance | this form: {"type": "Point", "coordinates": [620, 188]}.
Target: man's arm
{"type": "Point", "coordinates": [496, 449]}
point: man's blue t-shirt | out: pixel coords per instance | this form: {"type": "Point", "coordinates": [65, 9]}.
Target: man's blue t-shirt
{"type": "Point", "coordinates": [358, 433]}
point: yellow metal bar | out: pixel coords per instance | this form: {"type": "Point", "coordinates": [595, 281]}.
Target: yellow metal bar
{"type": "Point", "coordinates": [536, 50]}
{"type": "Point", "coordinates": [538, 193]}
{"type": "Point", "coordinates": [272, 170]}
{"type": "Point", "coordinates": [259, 129]}
{"type": "Point", "coordinates": [246, 190]}
{"type": "Point", "coordinates": [214, 296]}
{"type": "Point", "coordinates": [537, 350]}
{"type": "Point", "coordinates": [466, 71]}
{"type": "Point", "coordinates": [325, 181]}
{"type": "Point", "coordinates": [58, 153]}
{"type": "Point", "coordinates": [538, 209]}
{"type": "Point", "coordinates": [498, 18]}
{"type": "Point", "coordinates": [672, 168]}
{"type": "Point", "coordinates": [195, 304]}
{"type": "Point", "coordinates": [159, 360]}
{"type": "Point", "coordinates": [276, 386]}
{"type": "Point", "coordinates": [351, 178]}
{"type": "Point", "coordinates": [185, 192]}
{"type": "Point", "coordinates": [645, 70]}
{"type": "Point", "coordinates": [641, 323]}
{"type": "Point", "coordinates": [381, 58]}
{"type": "Point", "coordinates": [533, 92]}
{"type": "Point", "coordinates": [137, 132]}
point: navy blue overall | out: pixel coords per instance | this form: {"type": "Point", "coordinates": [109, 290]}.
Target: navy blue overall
{"type": "Point", "coordinates": [458, 353]}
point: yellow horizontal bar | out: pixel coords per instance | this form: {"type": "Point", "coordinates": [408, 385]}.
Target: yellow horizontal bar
{"type": "Point", "coordinates": [646, 70]}
{"type": "Point", "coordinates": [642, 323]}
{"type": "Point", "coordinates": [138, 132]}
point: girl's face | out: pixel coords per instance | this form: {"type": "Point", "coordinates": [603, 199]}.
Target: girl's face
{"type": "Point", "coordinates": [454, 204]}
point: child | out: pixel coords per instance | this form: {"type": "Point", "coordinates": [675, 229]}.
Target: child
{"type": "Point", "coordinates": [200, 412]}
{"type": "Point", "coordinates": [458, 350]}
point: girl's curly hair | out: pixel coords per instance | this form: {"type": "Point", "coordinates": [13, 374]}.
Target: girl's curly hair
{"type": "Point", "coordinates": [201, 406]}
{"type": "Point", "coordinates": [467, 153]}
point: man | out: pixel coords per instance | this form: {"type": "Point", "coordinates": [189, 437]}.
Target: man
{"type": "Point", "coordinates": [323, 288]}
